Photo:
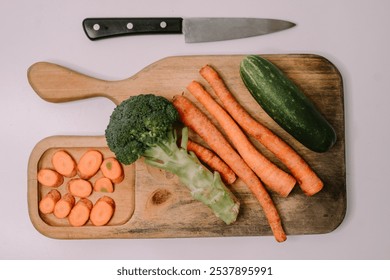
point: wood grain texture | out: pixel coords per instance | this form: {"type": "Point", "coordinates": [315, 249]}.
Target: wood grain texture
{"type": "Point", "coordinates": [158, 205]}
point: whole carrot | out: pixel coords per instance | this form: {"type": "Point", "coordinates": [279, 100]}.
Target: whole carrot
{"type": "Point", "coordinates": [212, 160]}
{"type": "Point", "coordinates": [307, 179]}
{"type": "Point", "coordinates": [192, 117]}
{"type": "Point", "coordinates": [272, 176]}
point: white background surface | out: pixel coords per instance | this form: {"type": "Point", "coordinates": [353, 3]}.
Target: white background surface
{"type": "Point", "coordinates": [354, 35]}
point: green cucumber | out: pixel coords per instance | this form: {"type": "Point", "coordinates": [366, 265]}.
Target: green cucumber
{"type": "Point", "coordinates": [286, 104]}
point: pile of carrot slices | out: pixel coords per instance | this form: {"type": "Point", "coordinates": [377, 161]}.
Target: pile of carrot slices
{"type": "Point", "coordinates": [238, 155]}
{"type": "Point", "coordinates": [75, 204]}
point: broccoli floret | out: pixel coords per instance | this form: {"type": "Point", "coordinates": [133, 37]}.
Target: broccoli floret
{"type": "Point", "coordinates": [144, 126]}
{"type": "Point", "coordinates": [138, 124]}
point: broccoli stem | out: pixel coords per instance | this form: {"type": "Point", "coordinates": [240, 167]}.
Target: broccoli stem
{"type": "Point", "coordinates": [204, 185]}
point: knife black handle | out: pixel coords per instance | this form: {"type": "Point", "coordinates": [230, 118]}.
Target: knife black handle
{"type": "Point", "coordinates": [99, 28]}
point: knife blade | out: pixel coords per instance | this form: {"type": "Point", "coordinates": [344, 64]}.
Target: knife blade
{"type": "Point", "coordinates": [194, 29]}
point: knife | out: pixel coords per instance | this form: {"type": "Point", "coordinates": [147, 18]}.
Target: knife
{"type": "Point", "coordinates": [194, 29]}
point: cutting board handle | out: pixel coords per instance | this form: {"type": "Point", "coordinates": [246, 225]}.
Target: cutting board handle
{"type": "Point", "coordinates": [55, 83]}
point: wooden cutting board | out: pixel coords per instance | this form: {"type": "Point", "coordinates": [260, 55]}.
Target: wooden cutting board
{"type": "Point", "coordinates": [152, 203]}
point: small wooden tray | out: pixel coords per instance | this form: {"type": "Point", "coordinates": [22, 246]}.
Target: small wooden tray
{"type": "Point", "coordinates": [152, 203]}
{"type": "Point", "coordinates": [76, 146]}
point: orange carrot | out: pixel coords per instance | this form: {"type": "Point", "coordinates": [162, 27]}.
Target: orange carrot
{"type": "Point", "coordinates": [306, 177]}
{"type": "Point", "coordinates": [79, 215]}
{"type": "Point", "coordinates": [192, 117]}
{"type": "Point", "coordinates": [213, 161]}
{"type": "Point", "coordinates": [80, 187]}
{"type": "Point", "coordinates": [103, 184]}
{"type": "Point", "coordinates": [112, 169]}
{"type": "Point", "coordinates": [47, 203]}
{"type": "Point", "coordinates": [89, 164]}
{"type": "Point", "coordinates": [64, 206]}
{"type": "Point", "coordinates": [102, 211]}
{"type": "Point", "coordinates": [64, 163]}
{"type": "Point", "coordinates": [272, 176]}
{"type": "Point", "coordinates": [50, 178]}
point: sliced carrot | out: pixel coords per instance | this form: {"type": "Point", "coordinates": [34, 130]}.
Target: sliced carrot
{"type": "Point", "coordinates": [102, 211]}
{"type": "Point", "coordinates": [64, 163]}
{"type": "Point", "coordinates": [50, 178]}
{"type": "Point", "coordinates": [89, 164]}
{"type": "Point", "coordinates": [309, 182]}
{"type": "Point", "coordinates": [213, 161]}
{"type": "Point", "coordinates": [112, 169]}
{"type": "Point", "coordinates": [192, 117]}
{"type": "Point", "coordinates": [79, 215]}
{"type": "Point", "coordinates": [80, 187]}
{"type": "Point", "coordinates": [103, 184]}
{"type": "Point", "coordinates": [48, 202]}
{"type": "Point", "coordinates": [272, 176]}
{"type": "Point", "coordinates": [64, 206]}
